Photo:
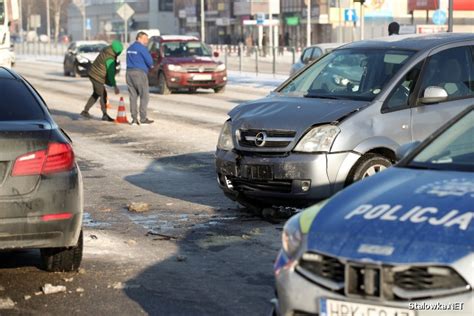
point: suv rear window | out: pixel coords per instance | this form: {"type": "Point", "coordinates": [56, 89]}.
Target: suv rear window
{"type": "Point", "coordinates": [18, 103]}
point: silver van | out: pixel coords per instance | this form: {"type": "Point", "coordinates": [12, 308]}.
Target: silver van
{"type": "Point", "coordinates": [343, 117]}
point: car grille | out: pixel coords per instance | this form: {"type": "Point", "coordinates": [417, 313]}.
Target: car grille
{"type": "Point", "coordinates": [424, 278]}
{"type": "Point", "coordinates": [273, 138]}
{"type": "Point", "coordinates": [279, 186]}
{"type": "Point", "coordinates": [200, 68]}
{"type": "Point", "coordinates": [325, 270]}
{"type": "Point", "coordinates": [394, 283]}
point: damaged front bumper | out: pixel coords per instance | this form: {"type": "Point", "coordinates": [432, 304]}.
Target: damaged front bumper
{"type": "Point", "coordinates": [293, 179]}
{"type": "Point", "coordinates": [297, 295]}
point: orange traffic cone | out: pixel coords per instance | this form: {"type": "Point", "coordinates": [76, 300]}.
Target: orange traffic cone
{"type": "Point", "coordinates": [121, 114]}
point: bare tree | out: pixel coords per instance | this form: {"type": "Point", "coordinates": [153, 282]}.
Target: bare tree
{"type": "Point", "coordinates": [57, 8]}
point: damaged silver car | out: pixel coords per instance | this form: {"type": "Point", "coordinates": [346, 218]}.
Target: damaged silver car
{"type": "Point", "coordinates": [343, 118]}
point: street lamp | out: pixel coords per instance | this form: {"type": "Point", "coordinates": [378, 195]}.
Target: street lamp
{"type": "Point", "coordinates": [203, 27]}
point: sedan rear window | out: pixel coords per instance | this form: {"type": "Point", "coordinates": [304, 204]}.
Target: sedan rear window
{"type": "Point", "coordinates": [18, 103]}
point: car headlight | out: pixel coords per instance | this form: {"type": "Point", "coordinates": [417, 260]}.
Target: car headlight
{"type": "Point", "coordinates": [297, 227]}
{"type": "Point", "coordinates": [221, 67]}
{"type": "Point", "coordinates": [176, 68]}
{"type": "Point", "coordinates": [292, 237]}
{"type": "Point", "coordinates": [82, 60]}
{"type": "Point", "coordinates": [225, 138]}
{"type": "Point", "coordinates": [319, 139]}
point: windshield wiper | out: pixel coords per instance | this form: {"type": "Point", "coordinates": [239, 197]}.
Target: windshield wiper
{"type": "Point", "coordinates": [316, 96]}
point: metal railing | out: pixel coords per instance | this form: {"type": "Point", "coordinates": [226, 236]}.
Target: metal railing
{"type": "Point", "coordinates": [258, 60]}
{"type": "Point", "coordinates": [40, 49]}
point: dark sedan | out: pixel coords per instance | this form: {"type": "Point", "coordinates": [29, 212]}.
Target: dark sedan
{"type": "Point", "coordinates": [41, 194]}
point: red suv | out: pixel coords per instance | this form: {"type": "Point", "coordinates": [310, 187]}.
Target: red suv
{"type": "Point", "coordinates": [184, 62]}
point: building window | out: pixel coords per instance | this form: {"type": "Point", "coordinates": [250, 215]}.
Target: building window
{"type": "Point", "coordinates": [165, 5]}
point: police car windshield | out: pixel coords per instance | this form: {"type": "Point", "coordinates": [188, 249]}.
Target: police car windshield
{"type": "Point", "coordinates": [356, 74]}
{"type": "Point", "coordinates": [452, 150]}
{"type": "Point", "coordinates": [185, 49]}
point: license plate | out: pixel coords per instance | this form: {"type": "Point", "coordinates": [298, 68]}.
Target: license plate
{"type": "Point", "coordinates": [257, 172]}
{"type": "Point", "coordinates": [202, 77]}
{"type": "Point", "coordinates": [329, 307]}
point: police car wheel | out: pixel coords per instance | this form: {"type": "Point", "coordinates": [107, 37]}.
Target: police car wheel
{"type": "Point", "coordinates": [63, 259]}
{"type": "Point", "coordinates": [367, 166]}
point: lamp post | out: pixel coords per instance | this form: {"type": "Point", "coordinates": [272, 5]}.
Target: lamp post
{"type": "Point", "coordinates": [48, 26]}
{"type": "Point", "coordinates": [203, 26]}
{"type": "Point", "coordinates": [308, 23]}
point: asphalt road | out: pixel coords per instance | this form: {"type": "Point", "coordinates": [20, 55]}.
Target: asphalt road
{"type": "Point", "coordinates": [204, 255]}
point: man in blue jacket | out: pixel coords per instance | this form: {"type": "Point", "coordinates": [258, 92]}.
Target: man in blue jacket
{"type": "Point", "coordinates": [139, 62]}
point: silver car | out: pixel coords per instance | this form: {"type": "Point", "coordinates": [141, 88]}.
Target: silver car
{"type": "Point", "coordinates": [312, 53]}
{"type": "Point", "coordinates": [343, 118]}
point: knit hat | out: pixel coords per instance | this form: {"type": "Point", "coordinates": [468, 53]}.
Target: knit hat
{"type": "Point", "coordinates": [117, 47]}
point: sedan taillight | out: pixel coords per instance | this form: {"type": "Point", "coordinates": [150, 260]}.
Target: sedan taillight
{"type": "Point", "coordinates": [58, 157]}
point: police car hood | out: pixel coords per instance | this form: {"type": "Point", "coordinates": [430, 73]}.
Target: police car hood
{"type": "Point", "coordinates": [399, 216]}
{"type": "Point", "coordinates": [290, 113]}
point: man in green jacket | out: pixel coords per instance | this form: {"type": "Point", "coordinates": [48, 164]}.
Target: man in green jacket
{"type": "Point", "coordinates": [101, 73]}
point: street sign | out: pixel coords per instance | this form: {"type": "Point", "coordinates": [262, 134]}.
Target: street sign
{"type": "Point", "coordinates": [260, 18]}
{"type": "Point", "coordinates": [125, 12]}
{"type": "Point", "coordinates": [440, 17]}
{"type": "Point", "coordinates": [350, 15]}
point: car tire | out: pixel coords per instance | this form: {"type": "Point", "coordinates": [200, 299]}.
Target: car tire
{"type": "Point", "coordinates": [219, 90]}
{"type": "Point", "coordinates": [192, 90]}
{"type": "Point", "coordinates": [162, 85]}
{"type": "Point", "coordinates": [63, 259]}
{"type": "Point", "coordinates": [368, 165]}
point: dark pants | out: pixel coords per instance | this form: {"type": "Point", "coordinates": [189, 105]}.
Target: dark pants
{"type": "Point", "coordinates": [137, 82]}
{"type": "Point", "coordinates": [99, 91]}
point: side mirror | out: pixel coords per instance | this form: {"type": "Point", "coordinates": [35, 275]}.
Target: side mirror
{"type": "Point", "coordinates": [305, 60]}
{"type": "Point", "coordinates": [216, 54]}
{"type": "Point", "coordinates": [434, 94]}
{"type": "Point", "coordinates": [405, 149]}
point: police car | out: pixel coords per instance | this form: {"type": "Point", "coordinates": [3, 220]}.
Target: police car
{"type": "Point", "coordinates": [400, 243]}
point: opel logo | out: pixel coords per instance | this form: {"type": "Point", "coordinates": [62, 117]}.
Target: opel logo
{"type": "Point", "coordinates": [201, 69]}
{"type": "Point", "coordinates": [260, 139]}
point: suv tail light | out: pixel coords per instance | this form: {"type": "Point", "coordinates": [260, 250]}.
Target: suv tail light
{"type": "Point", "coordinates": [57, 158]}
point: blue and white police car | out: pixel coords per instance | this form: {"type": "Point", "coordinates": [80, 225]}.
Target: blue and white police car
{"type": "Point", "coordinates": [400, 243]}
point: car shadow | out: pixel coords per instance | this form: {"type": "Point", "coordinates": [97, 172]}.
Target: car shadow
{"type": "Point", "coordinates": [13, 259]}
{"type": "Point", "coordinates": [188, 177]}
{"type": "Point", "coordinates": [215, 271]}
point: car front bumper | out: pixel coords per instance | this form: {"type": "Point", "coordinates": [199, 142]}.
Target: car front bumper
{"type": "Point", "coordinates": [290, 174]}
{"type": "Point", "coordinates": [30, 222]}
{"type": "Point", "coordinates": [298, 295]}
{"type": "Point", "coordinates": [176, 80]}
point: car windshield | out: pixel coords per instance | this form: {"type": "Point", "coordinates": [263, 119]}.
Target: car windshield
{"type": "Point", "coordinates": [349, 74]}
{"type": "Point", "coordinates": [452, 150]}
{"type": "Point", "coordinates": [185, 49]}
{"type": "Point", "coordinates": [95, 48]}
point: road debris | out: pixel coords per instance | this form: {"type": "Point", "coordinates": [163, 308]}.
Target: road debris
{"type": "Point", "coordinates": [38, 293]}
{"type": "Point", "coordinates": [161, 236]}
{"type": "Point", "coordinates": [123, 286]}
{"type": "Point", "coordinates": [80, 290]}
{"type": "Point", "coordinates": [6, 303]}
{"type": "Point", "coordinates": [93, 237]}
{"type": "Point", "coordinates": [246, 237]}
{"type": "Point", "coordinates": [138, 207]}
{"type": "Point", "coordinates": [131, 242]}
{"type": "Point", "coordinates": [67, 280]}
{"type": "Point", "coordinates": [53, 289]}
{"type": "Point", "coordinates": [181, 258]}
{"type": "Point", "coordinates": [27, 297]}
{"type": "Point", "coordinates": [81, 271]}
